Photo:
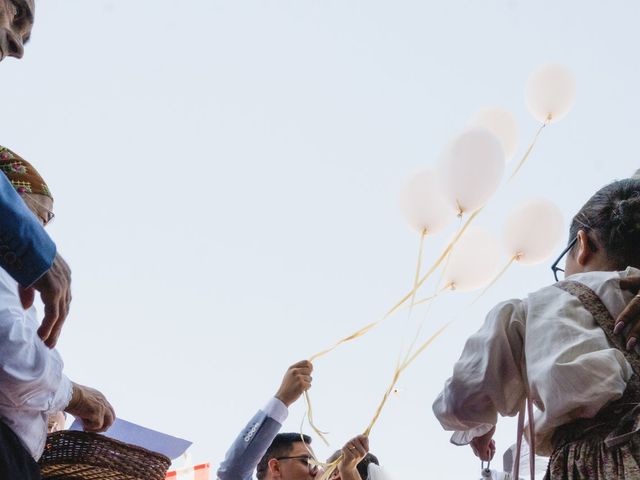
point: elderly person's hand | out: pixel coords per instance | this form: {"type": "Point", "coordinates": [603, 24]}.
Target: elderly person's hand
{"type": "Point", "coordinates": [92, 408]}
{"type": "Point", "coordinates": [352, 453]}
{"type": "Point", "coordinates": [630, 316]}
{"type": "Point", "coordinates": [55, 291]}
{"type": "Point", "coordinates": [296, 381]}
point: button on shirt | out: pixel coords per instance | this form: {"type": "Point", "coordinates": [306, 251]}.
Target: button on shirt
{"type": "Point", "coordinates": [32, 385]}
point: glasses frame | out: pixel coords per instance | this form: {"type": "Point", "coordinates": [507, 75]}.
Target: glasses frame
{"type": "Point", "coordinates": [313, 468]}
{"type": "Point", "coordinates": [50, 214]}
{"type": "Point", "coordinates": [554, 267]}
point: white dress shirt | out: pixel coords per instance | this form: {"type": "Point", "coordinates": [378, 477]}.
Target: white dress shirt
{"type": "Point", "coordinates": [32, 384]}
{"type": "Point", "coordinates": [572, 369]}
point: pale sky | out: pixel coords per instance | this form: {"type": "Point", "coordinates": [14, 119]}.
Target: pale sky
{"type": "Point", "coordinates": [226, 176]}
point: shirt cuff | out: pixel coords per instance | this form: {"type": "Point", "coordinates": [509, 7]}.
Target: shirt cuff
{"type": "Point", "coordinates": [465, 437]}
{"type": "Point", "coordinates": [276, 410]}
{"type": "Point", "coordinates": [62, 396]}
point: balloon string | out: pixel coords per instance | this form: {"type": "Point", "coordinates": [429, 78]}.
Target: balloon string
{"type": "Point", "coordinates": [331, 467]}
{"type": "Point", "coordinates": [398, 372]}
{"type": "Point", "coordinates": [437, 263]}
{"type": "Point", "coordinates": [353, 336]}
{"type": "Point", "coordinates": [497, 277]}
{"type": "Point", "coordinates": [423, 234]}
{"type": "Point", "coordinates": [372, 325]}
{"type": "Point", "coordinates": [428, 299]}
{"type": "Point", "coordinates": [412, 357]}
{"type": "Point", "coordinates": [314, 459]}
{"type": "Point", "coordinates": [364, 330]}
{"type": "Point", "coordinates": [530, 148]}
{"type": "Point", "coordinates": [309, 416]}
{"type": "Point", "coordinates": [359, 333]}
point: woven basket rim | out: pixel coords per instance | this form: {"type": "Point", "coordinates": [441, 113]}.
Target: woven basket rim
{"type": "Point", "coordinates": [69, 452]}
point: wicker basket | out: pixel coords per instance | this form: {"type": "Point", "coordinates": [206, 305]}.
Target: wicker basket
{"type": "Point", "coordinates": [71, 455]}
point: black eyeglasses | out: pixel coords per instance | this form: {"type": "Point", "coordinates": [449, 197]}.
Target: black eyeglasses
{"type": "Point", "coordinates": [313, 468]}
{"type": "Point", "coordinates": [555, 267]}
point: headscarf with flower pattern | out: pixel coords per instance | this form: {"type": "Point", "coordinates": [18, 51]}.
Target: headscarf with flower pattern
{"type": "Point", "coordinates": [21, 174]}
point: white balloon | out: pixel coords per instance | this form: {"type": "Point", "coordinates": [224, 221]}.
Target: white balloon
{"type": "Point", "coordinates": [470, 168]}
{"type": "Point", "coordinates": [550, 92]}
{"type": "Point", "coordinates": [473, 260]}
{"type": "Point", "coordinates": [423, 203]}
{"type": "Point", "coordinates": [503, 124]}
{"type": "Point", "coordinates": [533, 231]}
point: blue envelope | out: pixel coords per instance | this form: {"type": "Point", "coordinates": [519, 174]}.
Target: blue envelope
{"type": "Point", "coordinates": [143, 437]}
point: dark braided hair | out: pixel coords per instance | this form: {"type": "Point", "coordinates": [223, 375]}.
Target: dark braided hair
{"type": "Point", "coordinates": [363, 466]}
{"type": "Point", "coordinates": [612, 216]}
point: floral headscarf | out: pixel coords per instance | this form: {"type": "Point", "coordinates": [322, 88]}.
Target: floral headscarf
{"type": "Point", "coordinates": [22, 175]}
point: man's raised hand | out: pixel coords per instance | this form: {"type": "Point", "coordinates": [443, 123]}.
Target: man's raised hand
{"type": "Point", "coordinates": [296, 381]}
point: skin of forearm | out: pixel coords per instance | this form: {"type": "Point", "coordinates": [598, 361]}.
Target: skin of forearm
{"type": "Point", "coordinates": [350, 474]}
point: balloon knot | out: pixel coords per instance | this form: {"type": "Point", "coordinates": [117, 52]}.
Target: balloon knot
{"type": "Point", "coordinates": [518, 256]}
{"type": "Point", "coordinates": [459, 208]}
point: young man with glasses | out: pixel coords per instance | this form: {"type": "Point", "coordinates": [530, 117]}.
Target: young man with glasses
{"type": "Point", "coordinates": [284, 456]}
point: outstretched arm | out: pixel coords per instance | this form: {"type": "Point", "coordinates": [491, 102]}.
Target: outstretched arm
{"type": "Point", "coordinates": [29, 256]}
{"type": "Point", "coordinates": [254, 440]}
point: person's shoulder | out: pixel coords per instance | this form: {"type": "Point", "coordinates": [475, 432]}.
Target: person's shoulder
{"type": "Point", "coordinates": [597, 278]}
{"type": "Point", "coordinates": [511, 307]}
{"type": "Point", "coordinates": [604, 284]}
{"type": "Point", "coordinates": [545, 298]}
{"type": "Point", "coordinates": [629, 272]}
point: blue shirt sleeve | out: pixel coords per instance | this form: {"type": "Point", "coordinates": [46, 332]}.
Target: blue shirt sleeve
{"type": "Point", "coordinates": [247, 450]}
{"type": "Point", "coordinates": [26, 251]}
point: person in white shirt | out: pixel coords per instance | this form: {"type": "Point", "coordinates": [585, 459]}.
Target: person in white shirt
{"type": "Point", "coordinates": [558, 348]}
{"type": "Point", "coordinates": [33, 386]}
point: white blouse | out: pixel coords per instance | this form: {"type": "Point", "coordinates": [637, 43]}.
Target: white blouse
{"type": "Point", "coordinates": [572, 369]}
{"type": "Point", "coordinates": [32, 385]}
